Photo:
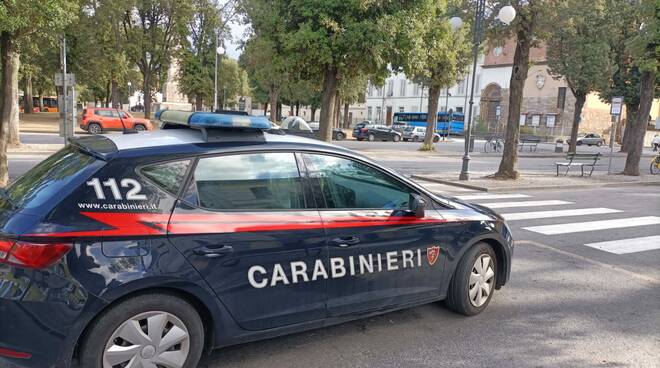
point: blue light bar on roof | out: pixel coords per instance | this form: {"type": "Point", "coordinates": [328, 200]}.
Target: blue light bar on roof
{"type": "Point", "coordinates": [212, 120]}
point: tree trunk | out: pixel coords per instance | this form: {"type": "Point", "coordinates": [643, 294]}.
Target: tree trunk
{"type": "Point", "coordinates": [115, 94]}
{"type": "Point", "coordinates": [638, 131]}
{"type": "Point", "coordinates": [328, 96]}
{"type": "Point", "coordinates": [199, 103]}
{"type": "Point", "coordinates": [41, 100]}
{"type": "Point", "coordinates": [313, 114]}
{"type": "Point", "coordinates": [580, 99]}
{"type": "Point", "coordinates": [9, 113]}
{"type": "Point", "coordinates": [146, 90]}
{"type": "Point", "coordinates": [347, 123]}
{"type": "Point", "coordinates": [432, 117]}
{"type": "Point", "coordinates": [631, 117]}
{"type": "Point", "coordinates": [273, 95]}
{"type": "Point", "coordinates": [265, 108]}
{"type": "Point", "coordinates": [297, 108]}
{"type": "Point", "coordinates": [28, 106]}
{"type": "Point", "coordinates": [337, 112]}
{"type": "Point", "coordinates": [509, 162]}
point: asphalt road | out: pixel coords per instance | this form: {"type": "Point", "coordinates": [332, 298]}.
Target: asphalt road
{"type": "Point", "coordinates": [567, 304]}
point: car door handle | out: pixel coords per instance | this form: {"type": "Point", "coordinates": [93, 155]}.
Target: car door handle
{"type": "Point", "coordinates": [214, 252]}
{"type": "Point", "coordinates": [345, 241]}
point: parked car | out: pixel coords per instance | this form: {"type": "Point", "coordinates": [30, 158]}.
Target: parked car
{"type": "Point", "coordinates": [375, 133]}
{"type": "Point", "coordinates": [100, 119]}
{"type": "Point", "coordinates": [416, 134]}
{"type": "Point", "coordinates": [590, 139]}
{"type": "Point", "coordinates": [296, 125]}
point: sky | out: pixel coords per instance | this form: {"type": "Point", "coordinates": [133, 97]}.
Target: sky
{"type": "Point", "coordinates": [237, 35]}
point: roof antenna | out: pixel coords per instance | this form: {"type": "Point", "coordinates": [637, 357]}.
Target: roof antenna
{"type": "Point", "coordinates": [123, 126]}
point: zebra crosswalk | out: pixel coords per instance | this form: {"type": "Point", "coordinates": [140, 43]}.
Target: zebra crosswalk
{"type": "Point", "coordinates": [566, 217]}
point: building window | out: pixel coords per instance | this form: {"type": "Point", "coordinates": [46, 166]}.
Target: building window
{"type": "Point", "coordinates": [402, 90]}
{"type": "Point", "coordinates": [561, 98]}
{"type": "Point", "coordinates": [379, 91]}
{"type": "Point", "coordinates": [536, 120]}
{"type": "Point", "coordinates": [459, 108]}
{"type": "Point", "coordinates": [369, 112]}
{"type": "Point", "coordinates": [371, 89]}
{"type": "Point", "coordinates": [378, 113]}
{"type": "Point", "coordinates": [390, 88]}
{"type": "Point", "coordinates": [523, 119]}
{"type": "Point", "coordinates": [402, 109]}
{"type": "Point", "coordinates": [416, 89]}
{"type": "Point", "coordinates": [550, 120]}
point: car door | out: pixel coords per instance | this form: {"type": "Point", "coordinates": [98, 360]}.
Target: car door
{"type": "Point", "coordinates": [381, 254]}
{"type": "Point", "coordinates": [248, 224]}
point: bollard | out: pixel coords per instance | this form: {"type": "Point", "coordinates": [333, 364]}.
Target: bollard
{"type": "Point", "coordinates": [559, 146]}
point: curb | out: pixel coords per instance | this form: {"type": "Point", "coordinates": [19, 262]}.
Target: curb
{"type": "Point", "coordinates": [537, 187]}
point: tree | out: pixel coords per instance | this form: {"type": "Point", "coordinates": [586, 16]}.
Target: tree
{"type": "Point", "coordinates": [351, 91]}
{"type": "Point", "coordinates": [445, 56]}
{"type": "Point", "coordinates": [576, 55]}
{"type": "Point", "coordinates": [529, 28]}
{"type": "Point", "coordinates": [232, 82]}
{"type": "Point", "coordinates": [20, 21]}
{"type": "Point", "coordinates": [645, 49]}
{"type": "Point", "coordinates": [198, 53]}
{"type": "Point", "coordinates": [338, 39]}
{"type": "Point", "coordinates": [151, 31]}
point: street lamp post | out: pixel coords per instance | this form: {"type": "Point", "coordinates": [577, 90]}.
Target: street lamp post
{"type": "Point", "coordinates": [506, 16]}
{"type": "Point", "coordinates": [219, 50]}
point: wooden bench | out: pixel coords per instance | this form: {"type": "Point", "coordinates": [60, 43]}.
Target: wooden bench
{"type": "Point", "coordinates": [531, 142]}
{"type": "Point", "coordinates": [581, 160]}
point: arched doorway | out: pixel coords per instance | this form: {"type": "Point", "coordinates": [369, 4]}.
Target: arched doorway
{"type": "Point", "coordinates": [491, 106]}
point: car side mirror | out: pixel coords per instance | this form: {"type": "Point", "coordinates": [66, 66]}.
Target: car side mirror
{"type": "Point", "coordinates": [417, 205]}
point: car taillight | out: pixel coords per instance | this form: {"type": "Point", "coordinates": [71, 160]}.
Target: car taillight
{"type": "Point", "coordinates": [31, 255]}
{"type": "Point", "coordinates": [364, 129]}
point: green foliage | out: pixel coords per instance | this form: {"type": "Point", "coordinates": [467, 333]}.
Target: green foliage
{"type": "Point", "coordinates": [578, 47]}
{"type": "Point", "coordinates": [36, 18]}
{"type": "Point", "coordinates": [645, 45]}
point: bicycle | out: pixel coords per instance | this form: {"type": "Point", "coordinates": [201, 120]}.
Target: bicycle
{"type": "Point", "coordinates": [655, 165]}
{"type": "Point", "coordinates": [494, 144]}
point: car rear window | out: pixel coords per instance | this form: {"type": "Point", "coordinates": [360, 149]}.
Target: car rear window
{"type": "Point", "coordinates": [168, 175]}
{"type": "Point", "coordinates": [49, 178]}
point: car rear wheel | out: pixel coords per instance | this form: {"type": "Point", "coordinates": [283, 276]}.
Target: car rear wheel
{"type": "Point", "coordinates": [153, 330]}
{"type": "Point", "coordinates": [600, 143]}
{"type": "Point", "coordinates": [140, 128]}
{"type": "Point", "coordinates": [436, 139]}
{"type": "Point", "coordinates": [579, 143]}
{"type": "Point", "coordinates": [340, 136]}
{"type": "Point", "coordinates": [94, 128]}
{"type": "Point", "coordinates": [474, 280]}
{"type": "Point", "coordinates": [371, 137]}
{"type": "Point", "coordinates": [396, 138]}
{"type": "Point", "coordinates": [415, 139]}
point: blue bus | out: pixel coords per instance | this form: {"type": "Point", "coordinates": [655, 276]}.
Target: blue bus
{"type": "Point", "coordinates": [452, 123]}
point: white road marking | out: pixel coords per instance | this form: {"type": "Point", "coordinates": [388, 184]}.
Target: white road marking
{"type": "Point", "coordinates": [576, 227]}
{"type": "Point", "coordinates": [558, 213]}
{"type": "Point", "coordinates": [477, 197]}
{"type": "Point", "coordinates": [524, 204]}
{"type": "Point", "coordinates": [625, 246]}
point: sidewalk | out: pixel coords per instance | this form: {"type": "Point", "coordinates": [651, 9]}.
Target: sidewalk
{"type": "Point", "coordinates": [540, 180]}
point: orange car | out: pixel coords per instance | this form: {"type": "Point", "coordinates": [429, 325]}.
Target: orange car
{"type": "Point", "coordinates": [99, 119]}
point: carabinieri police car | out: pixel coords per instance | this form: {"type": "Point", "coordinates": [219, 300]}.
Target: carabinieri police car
{"type": "Point", "coordinates": [146, 250]}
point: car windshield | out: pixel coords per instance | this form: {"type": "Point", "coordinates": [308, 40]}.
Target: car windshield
{"type": "Point", "coordinates": [49, 178]}
{"type": "Point", "coordinates": [408, 129]}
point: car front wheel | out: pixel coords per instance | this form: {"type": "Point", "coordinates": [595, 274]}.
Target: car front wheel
{"type": "Point", "coordinates": [340, 136]}
{"type": "Point", "coordinates": [152, 330]}
{"type": "Point", "coordinates": [371, 137]}
{"type": "Point", "coordinates": [140, 128]}
{"type": "Point", "coordinates": [474, 280]}
{"type": "Point", "coordinates": [396, 138]}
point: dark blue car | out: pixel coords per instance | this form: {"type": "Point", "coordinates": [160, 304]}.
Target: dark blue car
{"type": "Point", "coordinates": [146, 250]}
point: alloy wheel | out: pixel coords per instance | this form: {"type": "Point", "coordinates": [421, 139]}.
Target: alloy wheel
{"type": "Point", "coordinates": [481, 280]}
{"type": "Point", "coordinates": [151, 339]}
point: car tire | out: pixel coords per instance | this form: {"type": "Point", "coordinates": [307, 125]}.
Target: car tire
{"type": "Point", "coordinates": [171, 313]}
{"type": "Point", "coordinates": [436, 139]}
{"type": "Point", "coordinates": [396, 138]}
{"type": "Point", "coordinates": [579, 143]}
{"type": "Point", "coordinates": [139, 128]}
{"type": "Point", "coordinates": [371, 137]}
{"type": "Point", "coordinates": [94, 128]}
{"type": "Point", "coordinates": [340, 136]}
{"type": "Point", "coordinates": [461, 298]}
{"type": "Point", "coordinates": [360, 139]}
{"type": "Point", "coordinates": [415, 139]}
{"type": "Point", "coordinates": [599, 144]}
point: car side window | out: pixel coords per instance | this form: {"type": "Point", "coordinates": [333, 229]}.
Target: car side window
{"type": "Point", "coordinates": [255, 181]}
{"type": "Point", "coordinates": [168, 175]}
{"type": "Point", "coordinates": [348, 184]}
